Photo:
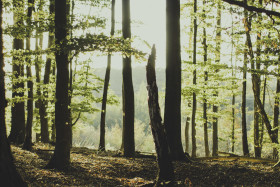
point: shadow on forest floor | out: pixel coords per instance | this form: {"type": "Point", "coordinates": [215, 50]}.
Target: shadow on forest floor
{"type": "Point", "coordinates": [94, 168]}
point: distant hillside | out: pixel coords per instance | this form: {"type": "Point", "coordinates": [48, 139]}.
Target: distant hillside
{"type": "Point", "coordinates": [139, 76]}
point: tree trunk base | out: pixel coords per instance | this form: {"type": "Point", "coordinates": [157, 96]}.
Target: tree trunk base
{"type": "Point", "coordinates": [8, 173]}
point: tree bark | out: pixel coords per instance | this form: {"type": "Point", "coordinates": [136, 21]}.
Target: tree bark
{"type": "Point", "coordinates": [172, 110]}
{"type": "Point", "coordinates": [106, 84]}
{"type": "Point", "coordinates": [166, 171]}
{"type": "Point", "coordinates": [271, 132]}
{"type": "Point", "coordinates": [233, 124]}
{"type": "Point", "coordinates": [243, 108]}
{"type": "Point", "coordinates": [215, 107]}
{"type": "Point", "coordinates": [17, 134]}
{"type": "Point", "coordinates": [30, 102]}
{"type": "Point", "coordinates": [257, 116]}
{"type": "Point", "coordinates": [49, 66]}
{"type": "Point", "coordinates": [43, 111]}
{"type": "Point", "coordinates": [41, 102]}
{"type": "Point", "coordinates": [70, 11]}
{"type": "Point", "coordinates": [128, 92]}
{"type": "Point", "coordinates": [263, 101]}
{"type": "Point", "coordinates": [53, 134]}
{"type": "Point", "coordinates": [187, 136]}
{"type": "Point", "coordinates": [8, 173]}
{"type": "Point", "coordinates": [194, 104]}
{"type": "Point", "coordinates": [233, 73]}
{"type": "Point", "coordinates": [61, 157]}
{"type": "Point", "coordinates": [276, 112]}
{"type": "Point", "coordinates": [205, 118]}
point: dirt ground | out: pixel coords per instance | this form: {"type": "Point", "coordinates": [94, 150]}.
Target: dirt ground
{"type": "Point", "coordinates": [93, 168]}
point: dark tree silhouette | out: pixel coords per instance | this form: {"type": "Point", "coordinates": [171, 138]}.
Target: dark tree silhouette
{"type": "Point", "coordinates": [61, 157]}
{"type": "Point", "coordinates": [172, 111]}
{"type": "Point", "coordinates": [8, 173]}
{"type": "Point", "coordinates": [194, 102]}
{"type": "Point", "coordinates": [106, 84]}
{"type": "Point", "coordinates": [166, 171]}
{"type": "Point", "coordinates": [128, 93]}
{"type": "Point", "coordinates": [245, 146]}
{"type": "Point", "coordinates": [28, 137]}
{"type": "Point", "coordinates": [17, 134]}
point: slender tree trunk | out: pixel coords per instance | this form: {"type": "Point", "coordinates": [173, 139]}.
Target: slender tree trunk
{"type": "Point", "coordinates": [53, 136]}
{"type": "Point", "coordinates": [276, 112]}
{"type": "Point", "coordinates": [49, 69]}
{"type": "Point", "coordinates": [166, 171]}
{"type": "Point", "coordinates": [257, 115]}
{"type": "Point", "coordinates": [61, 157]}
{"type": "Point", "coordinates": [271, 132]}
{"type": "Point", "coordinates": [70, 11]}
{"type": "Point", "coordinates": [262, 124]}
{"type": "Point", "coordinates": [215, 107]}
{"type": "Point", "coordinates": [194, 105]}
{"type": "Point", "coordinates": [233, 124]}
{"type": "Point", "coordinates": [17, 134]}
{"type": "Point", "coordinates": [172, 110]}
{"type": "Point", "coordinates": [28, 138]}
{"type": "Point", "coordinates": [243, 108]}
{"type": "Point", "coordinates": [8, 173]}
{"type": "Point", "coordinates": [187, 136]}
{"type": "Point", "coordinates": [128, 92]}
{"type": "Point", "coordinates": [233, 94]}
{"type": "Point", "coordinates": [46, 81]}
{"type": "Point", "coordinates": [40, 104]}
{"type": "Point", "coordinates": [245, 146]}
{"type": "Point", "coordinates": [205, 118]}
{"type": "Point", "coordinates": [106, 84]}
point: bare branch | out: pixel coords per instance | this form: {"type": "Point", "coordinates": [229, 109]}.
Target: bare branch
{"type": "Point", "coordinates": [253, 8]}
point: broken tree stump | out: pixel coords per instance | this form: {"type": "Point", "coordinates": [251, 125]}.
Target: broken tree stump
{"type": "Point", "coordinates": [166, 171]}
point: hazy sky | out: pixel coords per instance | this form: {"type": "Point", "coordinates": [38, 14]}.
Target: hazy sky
{"type": "Point", "coordinates": [151, 13]}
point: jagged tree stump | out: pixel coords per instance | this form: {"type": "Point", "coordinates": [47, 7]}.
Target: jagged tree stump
{"type": "Point", "coordinates": [166, 171]}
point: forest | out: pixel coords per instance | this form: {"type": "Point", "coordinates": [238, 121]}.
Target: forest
{"type": "Point", "coordinates": [139, 93]}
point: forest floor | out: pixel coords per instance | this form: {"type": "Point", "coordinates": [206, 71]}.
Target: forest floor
{"type": "Point", "coordinates": [93, 168]}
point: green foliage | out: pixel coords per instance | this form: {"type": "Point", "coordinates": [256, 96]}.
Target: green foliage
{"type": "Point", "coordinates": [221, 78]}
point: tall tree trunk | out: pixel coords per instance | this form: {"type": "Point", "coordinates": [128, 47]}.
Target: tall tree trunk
{"type": "Point", "coordinates": [205, 118]}
{"type": "Point", "coordinates": [50, 64]}
{"type": "Point", "coordinates": [215, 107]}
{"type": "Point", "coordinates": [53, 136]}
{"type": "Point", "coordinates": [189, 103]}
{"type": "Point", "coordinates": [257, 115]}
{"type": "Point", "coordinates": [17, 134]}
{"type": "Point", "coordinates": [106, 84]}
{"type": "Point", "coordinates": [70, 11]}
{"type": "Point", "coordinates": [61, 157]}
{"type": "Point", "coordinates": [172, 110]}
{"type": "Point", "coordinates": [263, 101]}
{"type": "Point", "coordinates": [187, 136]}
{"type": "Point", "coordinates": [166, 171]}
{"type": "Point", "coordinates": [28, 138]}
{"type": "Point", "coordinates": [38, 67]}
{"type": "Point", "coordinates": [41, 100]}
{"type": "Point", "coordinates": [233, 124]}
{"type": "Point", "coordinates": [194, 104]}
{"type": "Point", "coordinates": [271, 132]}
{"type": "Point", "coordinates": [128, 92]}
{"type": "Point", "coordinates": [8, 173]}
{"type": "Point", "coordinates": [233, 94]}
{"type": "Point", "coordinates": [276, 111]}
{"type": "Point", "coordinates": [243, 108]}
{"type": "Point", "coordinates": [46, 81]}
